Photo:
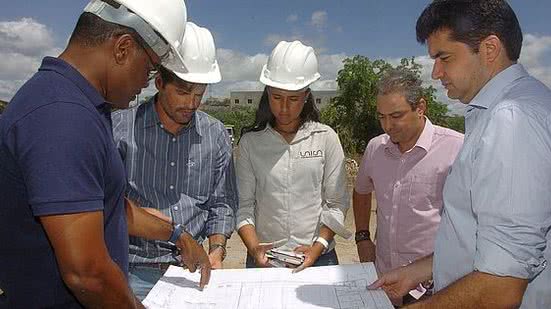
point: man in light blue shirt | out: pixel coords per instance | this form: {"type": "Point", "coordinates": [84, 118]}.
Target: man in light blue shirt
{"type": "Point", "coordinates": [493, 243]}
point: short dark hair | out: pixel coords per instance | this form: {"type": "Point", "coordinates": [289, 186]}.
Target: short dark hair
{"type": "Point", "coordinates": [470, 21]}
{"type": "Point", "coordinates": [92, 31]}
{"type": "Point", "coordinates": [169, 77]}
{"type": "Point", "coordinates": [264, 114]}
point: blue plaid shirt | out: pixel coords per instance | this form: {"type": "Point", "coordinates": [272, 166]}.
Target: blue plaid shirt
{"type": "Point", "coordinates": [189, 177]}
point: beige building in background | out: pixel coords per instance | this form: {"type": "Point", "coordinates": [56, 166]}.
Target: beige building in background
{"type": "Point", "coordinates": [252, 97]}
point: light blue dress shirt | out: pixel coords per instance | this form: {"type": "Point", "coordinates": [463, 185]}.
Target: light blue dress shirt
{"type": "Point", "coordinates": [497, 196]}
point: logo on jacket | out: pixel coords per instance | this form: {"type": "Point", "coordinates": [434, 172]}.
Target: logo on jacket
{"type": "Point", "coordinates": [311, 154]}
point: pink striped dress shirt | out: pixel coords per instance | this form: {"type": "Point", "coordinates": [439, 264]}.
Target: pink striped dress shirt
{"type": "Point", "coordinates": [408, 189]}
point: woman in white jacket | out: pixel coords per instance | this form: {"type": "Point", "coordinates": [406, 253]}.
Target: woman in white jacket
{"type": "Point", "coordinates": [290, 167]}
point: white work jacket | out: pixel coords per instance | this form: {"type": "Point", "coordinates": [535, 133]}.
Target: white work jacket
{"type": "Point", "coordinates": [288, 190]}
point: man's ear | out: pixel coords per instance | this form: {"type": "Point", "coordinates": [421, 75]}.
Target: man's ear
{"type": "Point", "coordinates": [158, 82]}
{"type": "Point", "coordinates": [422, 107]}
{"type": "Point", "coordinates": [491, 47]}
{"type": "Point", "coordinates": [123, 47]}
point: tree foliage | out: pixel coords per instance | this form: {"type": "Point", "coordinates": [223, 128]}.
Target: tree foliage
{"type": "Point", "coordinates": [3, 106]}
{"type": "Point", "coordinates": [353, 113]}
{"type": "Point", "coordinates": [238, 117]}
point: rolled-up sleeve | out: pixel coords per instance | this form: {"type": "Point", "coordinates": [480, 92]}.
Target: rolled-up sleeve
{"type": "Point", "coordinates": [246, 183]}
{"type": "Point", "coordinates": [334, 187]}
{"type": "Point", "coordinates": [511, 194]}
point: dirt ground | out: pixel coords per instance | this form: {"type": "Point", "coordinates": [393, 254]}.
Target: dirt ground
{"type": "Point", "coordinates": [346, 249]}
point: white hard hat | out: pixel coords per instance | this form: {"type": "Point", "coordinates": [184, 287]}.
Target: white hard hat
{"type": "Point", "coordinates": [160, 23]}
{"type": "Point", "coordinates": [199, 55]}
{"type": "Point", "coordinates": [291, 66]}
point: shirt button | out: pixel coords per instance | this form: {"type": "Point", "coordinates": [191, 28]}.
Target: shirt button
{"type": "Point", "coordinates": [395, 206]}
{"type": "Point", "coordinates": [174, 139]}
{"type": "Point", "coordinates": [386, 217]}
{"type": "Point", "coordinates": [171, 187]}
{"type": "Point", "coordinates": [175, 207]}
{"type": "Point", "coordinates": [172, 163]}
{"type": "Point", "coordinates": [162, 127]}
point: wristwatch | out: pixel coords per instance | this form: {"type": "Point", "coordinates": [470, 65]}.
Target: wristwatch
{"type": "Point", "coordinates": [215, 246]}
{"type": "Point", "coordinates": [177, 230]}
{"type": "Point", "coordinates": [362, 235]}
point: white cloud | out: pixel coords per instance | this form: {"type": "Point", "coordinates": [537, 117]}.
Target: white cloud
{"type": "Point", "coordinates": [535, 55]}
{"type": "Point", "coordinates": [25, 36]}
{"type": "Point", "coordinates": [23, 44]}
{"type": "Point", "coordinates": [271, 40]}
{"type": "Point", "coordinates": [329, 65]}
{"type": "Point", "coordinates": [325, 84]}
{"type": "Point", "coordinates": [236, 66]}
{"type": "Point", "coordinates": [319, 18]}
{"type": "Point", "coordinates": [292, 18]}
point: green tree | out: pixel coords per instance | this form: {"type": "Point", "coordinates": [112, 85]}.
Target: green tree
{"type": "Point", "coordinates": [238, 117]}
{"type": "Point", "coordinates": [353, 113]}
{"type": "Point", "coordinates": [456, 122]}
{"type": "Point", "coordinates": [3, 106]}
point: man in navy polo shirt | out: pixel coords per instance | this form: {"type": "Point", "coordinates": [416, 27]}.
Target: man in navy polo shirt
{"type": "Point", "coordinates": [63, 221]}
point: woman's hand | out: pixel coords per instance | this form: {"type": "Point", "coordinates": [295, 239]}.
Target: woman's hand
{"type": "Point", "coordinates": [259, 254]}
{"type": "Point", "coordinates": [311, 255]}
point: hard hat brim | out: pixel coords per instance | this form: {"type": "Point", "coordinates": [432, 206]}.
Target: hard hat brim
{"type": "Point", "coordinates": [286, 86]}
{"type": "Point", "coordinates": [202, 77]}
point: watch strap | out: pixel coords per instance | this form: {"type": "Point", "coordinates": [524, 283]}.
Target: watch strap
{"type": "Point", "coordinates": [362, 235]}
{"type": "Point", "coordinates": [215, 246]}
{"type": "Point", "coordinates": [177, 230]}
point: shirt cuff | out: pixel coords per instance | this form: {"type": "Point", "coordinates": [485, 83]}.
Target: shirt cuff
{"type": "Point", "coordinates": [244, 222]}
{"type": "Point", "coordinates": [494, 259]}
{"type": "Point", "coordinates": [336, 225]}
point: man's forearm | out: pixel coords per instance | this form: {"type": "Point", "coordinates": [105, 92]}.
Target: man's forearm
{"type": "Point", "coordinates": [249, 237]}
{"type": "Point", "coordinates": [326, 233]}
{"type": "Point", "coordinates": [145, 225]}
{"type": "Point", "coordinates": [109, 289]}
{"type": "Point", "coordinates": [84, 261]}
{"type": "Point", "coordinates": [361, 203]}
{"type": "Point", "coordinates": [478, 290]}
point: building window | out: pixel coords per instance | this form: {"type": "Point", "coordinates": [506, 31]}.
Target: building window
{"type": "Point", "coordinates": [318, 101]}
{"type": "Point", "coordinates": [236, 101]}
{"type": "Point", "coordinates": [250, 101]}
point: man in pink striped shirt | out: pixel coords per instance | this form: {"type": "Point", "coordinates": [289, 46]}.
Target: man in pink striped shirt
{"type": "Point", "coordinates": [406, 167]}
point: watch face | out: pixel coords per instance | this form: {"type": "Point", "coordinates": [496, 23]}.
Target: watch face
{"type": "Point", "coordinates": [362, 235]}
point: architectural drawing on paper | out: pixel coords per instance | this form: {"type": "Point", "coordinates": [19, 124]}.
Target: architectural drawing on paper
{"type": "Point", "coordinates": [340, 287]}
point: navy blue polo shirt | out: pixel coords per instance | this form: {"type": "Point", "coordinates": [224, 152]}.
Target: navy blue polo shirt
{"type": "Point", "coordinates": [57, 156]}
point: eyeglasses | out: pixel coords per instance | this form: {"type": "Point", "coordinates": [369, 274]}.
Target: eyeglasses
{"type": "Point", "coordinates": [154, 67]}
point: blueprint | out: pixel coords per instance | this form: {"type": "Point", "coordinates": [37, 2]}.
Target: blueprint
{"type": "Point", "coordinates": [341, 287]}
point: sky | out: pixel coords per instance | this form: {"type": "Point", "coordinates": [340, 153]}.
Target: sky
{"type": "Point", "coordinates": [245, 32]}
